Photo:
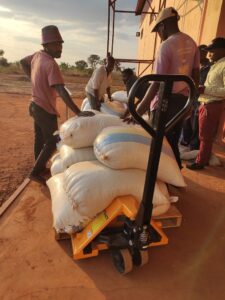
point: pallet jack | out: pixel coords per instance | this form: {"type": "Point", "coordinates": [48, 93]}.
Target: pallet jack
{"type": "Point", "coordinates": [125, 227]}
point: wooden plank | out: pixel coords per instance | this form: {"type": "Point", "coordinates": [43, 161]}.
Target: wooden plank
{"type": "Point", "coordinates": [62, 236]}
{"type": "Point", "coordinates": [172, 218]}
{"type": "Point", "coordinates": [13, 197]}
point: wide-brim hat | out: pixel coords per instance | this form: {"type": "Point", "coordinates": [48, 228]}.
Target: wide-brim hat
{"type": "Point", "coordinates": [216, 44]}
{"type": "Point", "coordinates": [164, 14]}
{"type": "Point", "coordinates": [51, 34]}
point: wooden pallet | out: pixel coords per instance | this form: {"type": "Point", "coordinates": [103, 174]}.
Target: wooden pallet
{"type": "Point", "coordinates": [172, 218]}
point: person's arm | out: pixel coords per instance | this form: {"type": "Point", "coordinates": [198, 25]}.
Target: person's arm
{"type": "Point", "coordinates": [96, 92]}
{"type": "Point", "coordinates": [109, 93]}
{"type": "Point", "coordinates": [96, 80]}
{"type": "Point", "coordinates": [69, 102]}
{"type": "Point", "coordinates": [195, 76]}
{"type": "Point", "coordinates": [145, 103]}
{"type": "Point", "coordinates": [161, 67]}
{"type": "Point", "coordinates": [26, 65]}
{"type": "Point", "coordinates": [149, 96]}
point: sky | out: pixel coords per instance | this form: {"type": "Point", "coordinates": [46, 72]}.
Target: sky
{"type": "Point", "coordinates": [82, 23]}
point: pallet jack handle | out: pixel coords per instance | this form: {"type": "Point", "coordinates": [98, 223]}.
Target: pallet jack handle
{"type": "Point", "coordinates": [157, 132]}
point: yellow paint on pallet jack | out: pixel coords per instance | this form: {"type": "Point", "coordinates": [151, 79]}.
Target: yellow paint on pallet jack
{"type": "Point", "coordinates": [126, 205]}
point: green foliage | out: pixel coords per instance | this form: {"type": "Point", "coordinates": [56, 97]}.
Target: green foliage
{"type": "Point", "coordinates": [93, 60]}
{"type": "Point", "coordinates": [81, 65]}
{"type": "Point", "coordinates": [3, 62]}
{"type": "Point", "coordinates": [64, 66]}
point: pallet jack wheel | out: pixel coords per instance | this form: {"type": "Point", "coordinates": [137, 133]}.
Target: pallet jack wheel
{"type": "Point", "coordinates": [122, 260]}
{"type": "Point", "coordinates": [139, 257]}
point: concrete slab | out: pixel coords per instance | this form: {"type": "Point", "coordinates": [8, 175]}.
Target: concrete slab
{"type": "Point", "coordinates": [191, 267]}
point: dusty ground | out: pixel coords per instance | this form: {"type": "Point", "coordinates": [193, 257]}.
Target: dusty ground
{"type": "Point", "coordinates": [16, 143]}
{"type": "Point", "coordinates": [35, 266]}
{"type": "Point", "coordinates": [190, 267]}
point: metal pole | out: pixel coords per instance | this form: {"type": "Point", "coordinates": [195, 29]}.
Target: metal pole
{"type": "Point", "coordinates": [113, 27]}
{"type": "Point", "coordinates": [108, 27]}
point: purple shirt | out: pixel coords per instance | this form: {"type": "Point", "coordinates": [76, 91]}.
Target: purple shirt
{"type": "Point", "coordinates": [178, 55]}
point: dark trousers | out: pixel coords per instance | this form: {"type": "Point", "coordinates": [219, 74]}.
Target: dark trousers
{"type": "Point", "coordinates": [190, 130]}
{"type": "Point", "coordinates": [176, 103]}
{"type": "Point", "coordinates": [45, 125]}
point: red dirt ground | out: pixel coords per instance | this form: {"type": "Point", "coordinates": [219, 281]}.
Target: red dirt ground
{"type": "Point", "coordinates": [35, 266]}
{"type": "Point", "coordinates": [16, 143]}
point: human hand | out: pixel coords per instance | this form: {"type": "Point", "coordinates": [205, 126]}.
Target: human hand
{"type": "Point", "coordinates": [129, 120]}
{"type": "Point", "coordinates": [125, 115]}
{"type": "Point", "coordinates": [201, 89]}
{"type": "Point", "coordinates": [86, 114]}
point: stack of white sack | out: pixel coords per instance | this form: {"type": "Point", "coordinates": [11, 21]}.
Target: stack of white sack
{"type": "Point", "coordinates": [120, 96]}
{"type": "Point", "coordinates": [77, 137]}
{"type": "Point", "coordinates": [115, 108]}
{"type": "Point", "coordinates": [87, 188]}
{"type": "Point", "coordinates": [68, 156]}
{"type": "Point", "coordinates": [120, 147]}
{"type": "Point", "coordinates": [187, 154]}
{"type": "Point", "coordinates": [56, 164]}
{"type": "Point", "coordinates": [80, 132]}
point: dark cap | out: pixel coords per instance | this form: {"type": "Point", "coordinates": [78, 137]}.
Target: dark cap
{"type": "Point", "coordinates": [202, 48]}
{"type": "Point", "coordinates": [216, 43]}
{"type": "Point", "coordinates": [51, 34]}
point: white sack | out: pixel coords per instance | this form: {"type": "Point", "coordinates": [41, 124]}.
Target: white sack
{"type": "Point", "coordinates": [54, 157]}
{"type": "Point", "coordinates": [115, 108]}
{"type": "Point", "coordinates": [70, 156]}
{"type": "Point", "coordinates": [120, 96]}
{"type": "Point", "coordinates": [64, 217]}
{"type": "Point", "coordinates": [91, 187]}
{"type": "Point", "coordinates": [80, 132]}
{"type": "Point", "coordinates": [128, 147]}
{"type": "Point", "coordinates": [57, 165]}
{"type": "Point", "coordinates": [85, 105]}
{"type": "Point", "coordinates": [188, 155]}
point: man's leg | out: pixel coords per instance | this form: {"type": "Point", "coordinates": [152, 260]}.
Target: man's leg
{"type": "Point", "coordinates": [38, 137]}
{"type": "Point", "coordinates": [173, 137]}
{"type": "Point", "coordinates": [209, 117]}
{"type": "Point", "coordinates": [48, 125]}
{"type": "Point", "coordinates": [38, 140]}
{"type": "Point", "coordinates": [176, 103]}
{"type": "Point", "coordinates": [186, 132]}
{"type": "Point", "coordinates": [195, 143]}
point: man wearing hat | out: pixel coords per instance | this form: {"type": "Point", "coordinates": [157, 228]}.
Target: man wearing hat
{"type": "Point", "coordinates": [212, 96]}
{"type": "Point", "coordinates": [47, 81]}
{"type": "Point", "coordinates": [177, 54]}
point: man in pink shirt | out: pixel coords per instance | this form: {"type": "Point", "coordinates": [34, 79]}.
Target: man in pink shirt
{"type": "Point", "coordinates": [178, 54]}
{"type": "Point", "coordinates": [47, 81]}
